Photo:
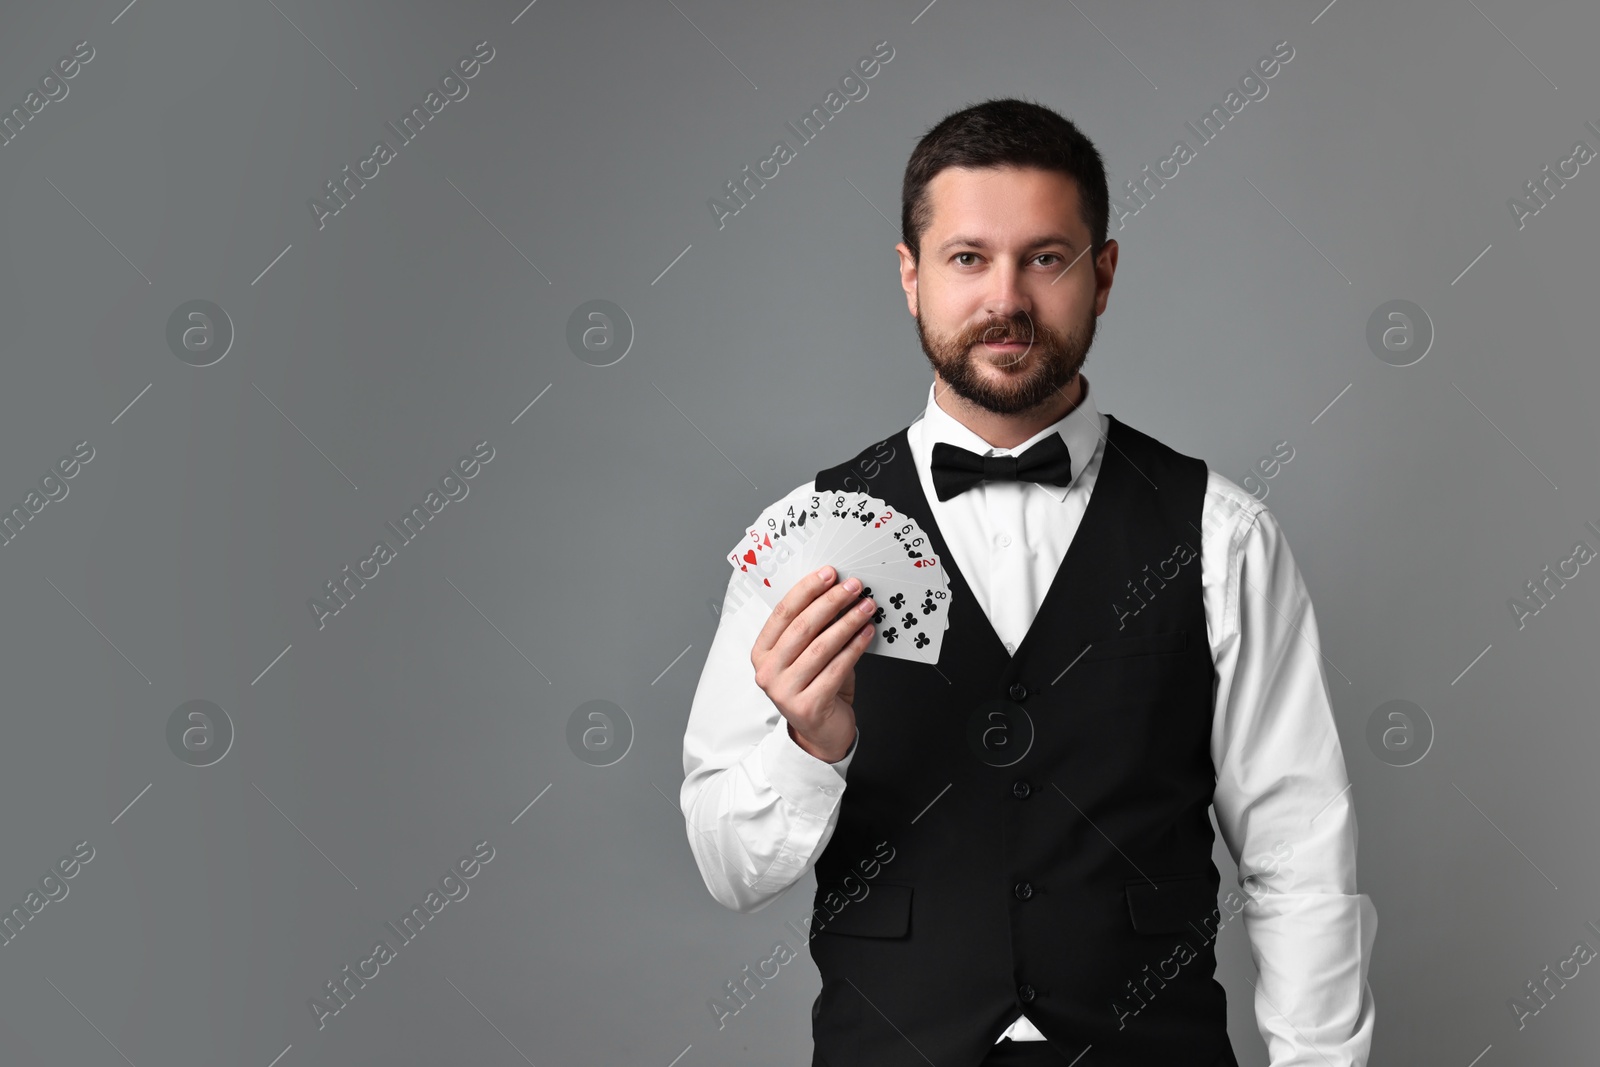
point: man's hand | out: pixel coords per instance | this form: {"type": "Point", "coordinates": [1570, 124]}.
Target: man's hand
{"type": "Point", "coordinates": [805, 660]}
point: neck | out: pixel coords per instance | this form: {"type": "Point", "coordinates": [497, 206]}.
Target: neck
{"type": "Point", "coordinates": [1007, 431]}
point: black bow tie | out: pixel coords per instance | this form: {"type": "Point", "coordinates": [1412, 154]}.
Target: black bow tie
{"type": "Point", "coordinates": [957, 469]}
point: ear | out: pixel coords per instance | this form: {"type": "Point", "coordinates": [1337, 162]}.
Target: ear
{"type": "Point", "coordinates": [1105, 268]}
{"type": "Point", "coordinates": [908, 276]}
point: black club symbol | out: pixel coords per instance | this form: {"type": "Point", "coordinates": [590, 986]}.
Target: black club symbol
{"type": "Point", "coordinates": [897, 601]}
{"type": "Point", "coordinates": [929, 607]}
{"type": "Point", "coordinates": [891, 635]}
{"type": "Point", "coordinates": [923, 641]}
{"type": "Point", "coordinates": [910, 621]}
{"type": "Point", "coordinates": [877, 616]}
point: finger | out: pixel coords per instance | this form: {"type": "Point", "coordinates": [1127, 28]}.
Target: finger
{"type": "Point", "coordinates": [796, 600]}
{"type": "Point", "coordinates": [831, 678]}
{"type": "Point", "coordinates": [812, 660]}
{"type": "Point", "coordinates": [811, 624]}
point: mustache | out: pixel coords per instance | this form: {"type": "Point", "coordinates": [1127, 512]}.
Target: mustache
{"type": "Point", "coordinates": [1006, 331]}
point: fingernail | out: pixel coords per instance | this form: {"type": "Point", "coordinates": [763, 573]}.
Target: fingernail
{"type": "Point", "coordinates": [852, 584]}
{"type": "Point", "coordinates": [825, 574]}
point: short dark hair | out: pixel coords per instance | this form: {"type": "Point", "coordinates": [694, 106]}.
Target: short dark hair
{"type": "Point", "coordinates": [1000, 133]}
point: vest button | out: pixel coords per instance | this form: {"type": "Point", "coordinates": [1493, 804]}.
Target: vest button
{"type": "Point", "coordinates": [1020, 789]}
{"type": "Point", "coordinates": [1024, 890]}
{"type": "Point", "coordinates": [1018, 690]}
{"type": "Point", "coordinates": [1025, 993]}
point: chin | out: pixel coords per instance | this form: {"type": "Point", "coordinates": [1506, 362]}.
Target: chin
{"type": "Point", "coordinates": [1003, 371]}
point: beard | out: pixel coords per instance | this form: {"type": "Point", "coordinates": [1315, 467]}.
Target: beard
{"type": "Point", "coordinates": [1053, 359]}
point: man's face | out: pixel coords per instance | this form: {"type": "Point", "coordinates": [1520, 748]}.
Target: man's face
{"type": "Point", "coordinates": [1001, 317]}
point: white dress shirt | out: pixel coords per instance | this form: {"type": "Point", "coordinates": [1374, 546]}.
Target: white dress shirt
{"type": "Point", "coordinates": [759, 809]}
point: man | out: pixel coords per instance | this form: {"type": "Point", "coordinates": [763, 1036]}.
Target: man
{"type": "Point", "coordinates": [1013, 846]}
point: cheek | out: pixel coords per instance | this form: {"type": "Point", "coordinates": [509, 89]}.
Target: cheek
{"type": "Point", "coordinates": [946, 310]}
{"type": "Point", "coordinates": [1060, 319]}
{"type": "Point", "coordinates": [1080, 316]}
{"type": "Point", "coordinates": [941, 328]}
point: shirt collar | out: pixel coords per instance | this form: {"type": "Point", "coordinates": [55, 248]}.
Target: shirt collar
{"type": "Point", "coordinates": [1079, 428]}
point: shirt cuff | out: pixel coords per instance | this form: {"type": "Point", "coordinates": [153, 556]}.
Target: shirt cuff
{"type": "Point", "coordinates": [808, 783]}
{"type": "Point", "coordinates": [1313, 952]}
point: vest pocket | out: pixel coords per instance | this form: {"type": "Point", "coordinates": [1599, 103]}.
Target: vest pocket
{"type": "Point", "coordinates": [1171, 904]}
{"type": "Point", "coordinates": [884, 912]}
{"type": "Point", "coordinates": [1137, 645]}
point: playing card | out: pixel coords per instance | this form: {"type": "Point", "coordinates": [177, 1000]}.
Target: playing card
{"type": "Point", "coordinates": [863, 537]}
{"type": "Point", "coordinates": [770, 554]}
{"type": "Point", "coordinates": [791, 516]}
{"type": "Point", "coordinates": [933, 579]}
{"type": "Point", "coordinates": [826, 516]}
{"type": "Point", "coordinates": [916, 616]}
{"type": "Point", "coordinates": [913, 548]}
{"type": "Point", "coordinates": [912, 541]}
{"type": "Point", "coordinates": [861, 517]}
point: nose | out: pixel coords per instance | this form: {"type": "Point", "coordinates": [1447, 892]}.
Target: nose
{"type": "Point", "coordinates": [1005, 298]}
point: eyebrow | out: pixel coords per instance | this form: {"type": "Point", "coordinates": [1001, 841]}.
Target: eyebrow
{"type": "Point", "coordinates": [978, 242]}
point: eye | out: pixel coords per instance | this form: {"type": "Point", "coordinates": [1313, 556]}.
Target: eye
{"type": "Point", "coordinates": [1048, 255]}
{"type": "Point", "coordinates": [959, 255]}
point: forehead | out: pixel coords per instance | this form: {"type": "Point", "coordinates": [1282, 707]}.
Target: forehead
{"type": "Point", "coordinates": [1003, 201]}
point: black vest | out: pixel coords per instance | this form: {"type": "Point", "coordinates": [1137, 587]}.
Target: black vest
{"type": "Point", "coordinates": [1043, 814]}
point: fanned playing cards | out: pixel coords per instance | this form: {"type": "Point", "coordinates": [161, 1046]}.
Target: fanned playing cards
{"type": "Point", "coordinates": [862, 537]}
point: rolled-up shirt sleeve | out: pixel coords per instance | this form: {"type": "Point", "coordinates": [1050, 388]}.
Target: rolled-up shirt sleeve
{"type": "Point", "coordinates": [757, 807]}
{"type": "Point", "coordinates": [1283, 804]}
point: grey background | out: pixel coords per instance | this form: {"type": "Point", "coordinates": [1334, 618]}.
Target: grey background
{"type": "Point", "coordinates": [431, 712]}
